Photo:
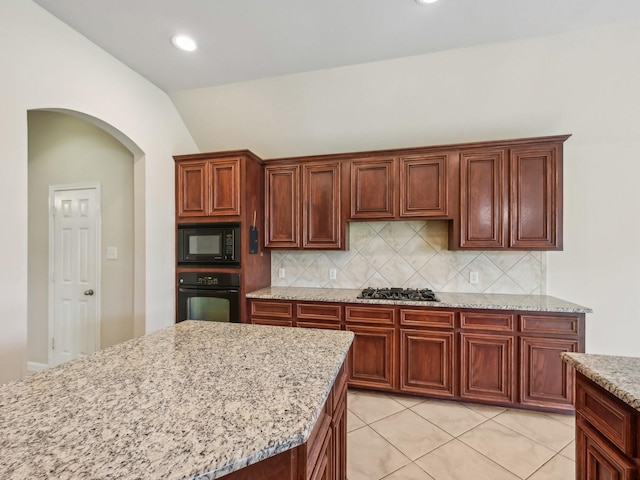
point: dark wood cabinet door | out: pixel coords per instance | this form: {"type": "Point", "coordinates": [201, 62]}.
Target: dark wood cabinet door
{"type": "Point", "coordinates": [423, 186]}
{"type": "Point", "coordinates": [372, 357]}
{"type": "Point", "coordinates": [536, 198]}
{"type": "Point", "coordinates": [224, 187]}
{"type": "Point", "coordinates": [545, 380]}
{"type": "Point", "coordinates": [339, 434]}
{"type": "Point", "coordinates": [487, 367]}
{"type": "Point", "coordinates": [321, 206]}
{"type": "Point", "coordinates": [427, 362]}
{"type": "Point", "coordinates": [597, 460]}
{"type": "Point", "coordinates": [192, 189]}
{"type": "Point", "coordinates": [373, 188]}
{"type": "Point", "coordinates": [282, 206]}
{"type": "Point", "coordinates": [483, 200]}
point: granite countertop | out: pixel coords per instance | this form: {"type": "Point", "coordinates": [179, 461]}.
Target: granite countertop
{"type": "Point", "coordinates": [195, 400]}
{"type": "Point", "coordinates": [617, 375]}
{"type": "Point", "coordinates": [533, 303]}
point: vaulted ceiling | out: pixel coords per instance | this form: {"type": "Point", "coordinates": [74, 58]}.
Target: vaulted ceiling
{"type": "Point", "coordinates": [253, 39]}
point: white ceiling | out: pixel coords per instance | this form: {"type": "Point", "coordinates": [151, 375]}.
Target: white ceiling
{"type": "Point", "coordinates": [252, 39]}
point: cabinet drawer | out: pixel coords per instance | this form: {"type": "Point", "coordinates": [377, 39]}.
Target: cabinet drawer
{"type": "Point", "coordinates": [376, 315]}
{"type": "Point", "coordinates": [312, 324]}
{"type": "Point", "coordinates": [497, 322]}
{"type": "Point", "coordinates": [426, 318]}
{"type": "Point", "coordinates": [555, 325]}
{"type": "Point", "coordinates": [274, 322]}
{"type": "Point", "coordinates": [314, 311]}
{"type": "Point", "coordinates": [272, 309]}
{"type": "Point", "coordinates": [607, 414]}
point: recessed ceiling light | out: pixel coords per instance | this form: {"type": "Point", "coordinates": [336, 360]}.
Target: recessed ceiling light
{"type": "Point", "coordinates": [184, 42]}
{"type": "Point", "coordinates": [424, 2]}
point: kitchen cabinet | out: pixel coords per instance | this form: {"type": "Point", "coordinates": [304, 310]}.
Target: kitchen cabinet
{"type": "Point", "coordinates": [510, 197]}
{"type": "Point", "coordinates": [373, 187]}
{"type": "Point", "coordinates": [412, 185]}
{"type": "Point", "coordinates": [372, 359]}
{"type": "Point", "coordinates": [545, 379]}
{"type": "Point", "coordinates": [318, 315]}
{"type": "Point", "coordinates": [427, 352]}
{"type": "Point", "coordinates": [303, 205]}
{"type": "Point", "coordinates": [487, 356]}
{"type": "Point", "coordinates": [501, 357]}
{"type": "Point", "coordinates": [208, 188]}
{"type": "Point", "coordinates": [607, 442]}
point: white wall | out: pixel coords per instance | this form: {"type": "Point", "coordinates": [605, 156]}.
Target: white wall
{"type": "Point", "coordinates": [45, 64]}
{"type": "Point", "coordinates": [584, 83]}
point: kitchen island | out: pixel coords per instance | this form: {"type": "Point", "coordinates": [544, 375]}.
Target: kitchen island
{"type": "Point", "coordinates": [197, 400]}
{"type": "Point", "coordinates": [607, 416]}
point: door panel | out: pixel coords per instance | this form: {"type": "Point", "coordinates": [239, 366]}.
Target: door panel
{"type": "Point", "coordinates": [75, 323]}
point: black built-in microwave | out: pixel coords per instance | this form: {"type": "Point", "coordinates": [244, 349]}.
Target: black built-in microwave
{"type": "Point", "coordinates": [209, 244]}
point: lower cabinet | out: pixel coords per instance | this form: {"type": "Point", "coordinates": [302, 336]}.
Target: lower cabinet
{"type": "Point", "coordinates": [372, 357]}
{"type": "Point", "coordinates": [487, 367]}
{"type": "Point", "coordinates": [488, 356]}
{"type": "Point", "coordinates": [546, 380]}
{"type": "Point", "coordinates": [427, 362]}
{"type": "Point", "coordinates": [607, 443]}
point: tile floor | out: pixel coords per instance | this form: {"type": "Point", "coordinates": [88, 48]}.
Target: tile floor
{"type": "Point", "coordinates": [394, 437]}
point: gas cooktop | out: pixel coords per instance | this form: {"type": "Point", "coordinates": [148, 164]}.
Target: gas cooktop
{"type": "Point", "coordinates": [425, 294]}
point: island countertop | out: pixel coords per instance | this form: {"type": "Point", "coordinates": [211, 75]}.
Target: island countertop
{"type": "Point", "coordinates": [490, 301]}
{"type": "Point", "coordinates": [195, 400]}
{"type": "Point", "coordinates": [619, 376]}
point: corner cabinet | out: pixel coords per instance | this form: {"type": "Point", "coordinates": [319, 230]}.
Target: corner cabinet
{"type": "Point", "coordinates": [510, 197]}
{"type": "Point", "coordinates": [208, 188]}
{"type": "Point", "coordinates": [303, 206]}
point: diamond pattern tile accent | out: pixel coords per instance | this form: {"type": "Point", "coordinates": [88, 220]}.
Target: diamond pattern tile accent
{"type": "Point", "coordinates": [411, 254]}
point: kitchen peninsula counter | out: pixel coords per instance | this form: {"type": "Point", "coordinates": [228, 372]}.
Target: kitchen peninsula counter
{"type": "Point", "coordinates": [197, 400]}
{"type": "Point", "coordinates": [619, 376]}
{"type": "Point", "coordinates": [530, 303]}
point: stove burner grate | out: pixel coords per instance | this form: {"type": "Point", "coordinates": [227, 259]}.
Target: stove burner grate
{"type": "Point", "coordinates": [424, 295]}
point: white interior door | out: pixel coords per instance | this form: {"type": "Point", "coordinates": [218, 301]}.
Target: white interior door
{"type": "Point", "coordinates": [75, 325]}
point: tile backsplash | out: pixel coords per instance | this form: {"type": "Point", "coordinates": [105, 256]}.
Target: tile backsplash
{"type": "Point", "coordinates": [410, 255]}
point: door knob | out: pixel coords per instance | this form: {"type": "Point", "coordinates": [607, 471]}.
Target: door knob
{"type": "Point", "coordinates": [88, 292]}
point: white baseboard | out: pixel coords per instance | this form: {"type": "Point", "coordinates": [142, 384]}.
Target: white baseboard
{"type": "Point", "coordinates": [36, 367]}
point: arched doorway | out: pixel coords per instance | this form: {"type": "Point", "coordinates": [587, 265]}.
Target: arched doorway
{"type": "Point", "coordinates": [66, 149]}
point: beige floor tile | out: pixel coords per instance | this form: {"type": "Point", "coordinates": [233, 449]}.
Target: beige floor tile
{"type": "Point", "coordinates": [558, 468]}
{"type": "Point", "coordinates": [510, 449]}
{"type": "Point", "coordinates": [488, 411]}
{"type": "Point", "coordinates": [457, 461]}
{"type": "Point", "coordinates": [569, 451]}
{"type": "Point", "coordinates": [539, 427]}
{"type": "Point", "coordinates": [407, 400]}
{"type": "Point", "coordinates": [566, 418]}
{"type": "Point", "coordinates": [371, 406]}
{"type": "Point", "coordinates": [410, 472]}
{"type": "Point", "coordinates": [410, 433]}
{"type": "Point", "coordinates": [353, 422]}
{"type": "Point", "coordinates": [453, 418]}
{"type": "Point", "coordinates": [371, 457]}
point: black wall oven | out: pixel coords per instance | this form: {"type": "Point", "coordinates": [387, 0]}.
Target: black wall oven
{"type": "Point", "coordinates": [213, 297]}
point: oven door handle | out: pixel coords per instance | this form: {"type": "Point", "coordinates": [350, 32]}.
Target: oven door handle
{"type": "Point", "coordinates": [183, 289]}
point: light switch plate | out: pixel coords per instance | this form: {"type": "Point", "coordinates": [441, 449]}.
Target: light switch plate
{"type": "Point", "coordinates": [112, 253]}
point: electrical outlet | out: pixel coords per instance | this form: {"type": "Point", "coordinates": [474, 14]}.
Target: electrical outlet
{"type": "Point", "coordinates": [281, 273]}
{"type": "Point", "coordinates": [473, 278]}
{"type": "Point", "coordinates": [332, 274]}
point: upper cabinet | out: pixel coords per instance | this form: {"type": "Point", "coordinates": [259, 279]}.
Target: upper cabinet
{"type": "Point", "coordinates": [207, 188]}
{"type": "Point", "coordinates": [304, 205]}
{"type": "Point", "coordinates": [403, 186]}
{"type": "Point", "coordinates": [510, 196]}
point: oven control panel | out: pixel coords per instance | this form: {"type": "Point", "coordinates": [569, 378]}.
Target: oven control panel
{"type": "Point", "coordinates": [196, 279]}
